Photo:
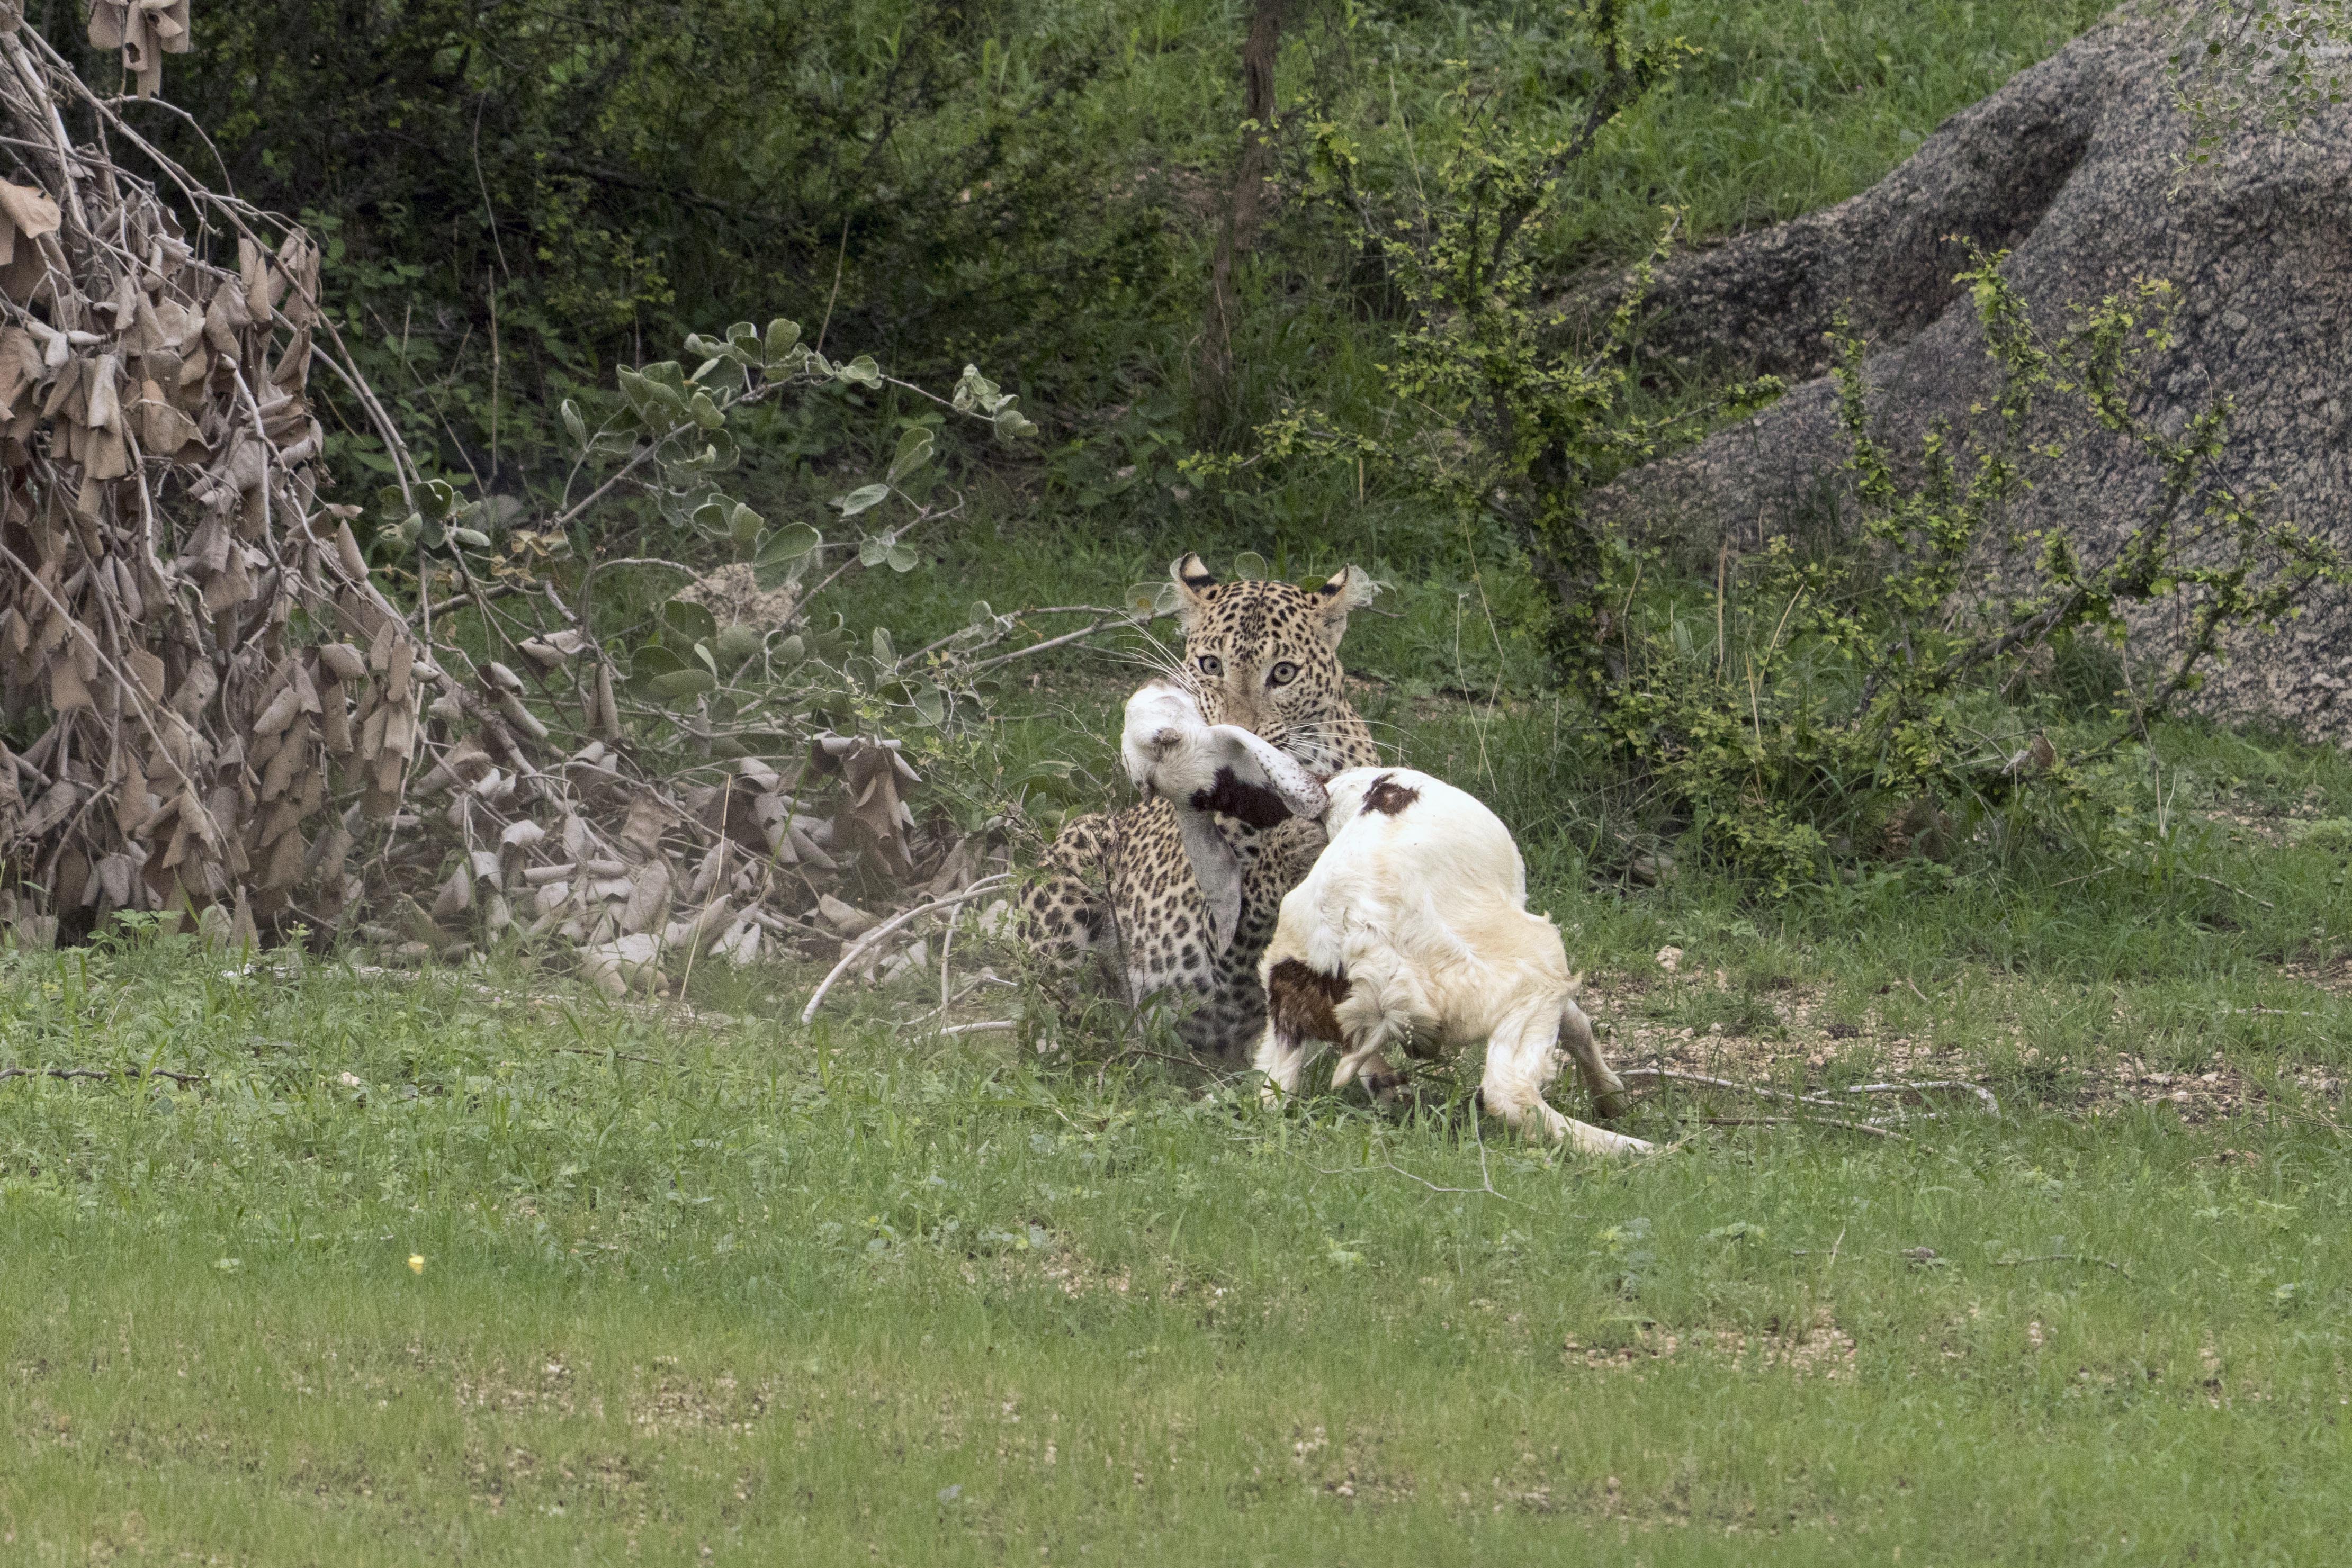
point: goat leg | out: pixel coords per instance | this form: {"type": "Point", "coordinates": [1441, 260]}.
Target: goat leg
{"type": "Point", "coordinates": [1608, 1089]}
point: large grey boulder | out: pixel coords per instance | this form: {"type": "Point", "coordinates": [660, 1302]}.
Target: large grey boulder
{"type": "Point", "coordinates": [2075, 165]}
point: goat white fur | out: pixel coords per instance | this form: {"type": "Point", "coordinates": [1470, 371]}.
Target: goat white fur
{"type": "Point", "coordinates": [1201, 770]}
{"type": "Point", "coordinates": [1412, 928]}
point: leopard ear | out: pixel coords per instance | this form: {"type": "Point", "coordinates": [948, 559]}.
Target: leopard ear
{"type": "Point", "coordinates": [1194, 585]}
{"type": "Point", "coordinates": [1349, 588]}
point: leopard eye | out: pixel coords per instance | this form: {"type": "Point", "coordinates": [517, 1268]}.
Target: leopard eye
{"type": "Point", "coordinates": [1212, 666]}
{"type": "Point", "coordinates": [1281, 674]}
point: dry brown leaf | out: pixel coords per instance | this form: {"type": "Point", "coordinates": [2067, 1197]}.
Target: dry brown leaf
{"type": "Point", "coordinates": [29, 212]}
{"type": "Point", "coordinates": [846, 918]}
{"type": "Point", "coordinates": [871, 818]}
{"type": "Point", "coordinates": [648, 897]}
{"type": "Point", "coordinates": [456, 895]}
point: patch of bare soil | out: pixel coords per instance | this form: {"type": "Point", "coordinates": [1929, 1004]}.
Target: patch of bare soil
{"type": "Point", "coordinates": [1816, 1347]}
{"type": "Point", "coordinates": [1812, 1053]}
{"type": "Point", "coordinates": [665, 1400]}
{"type": "Point", "coordinates": [1059, 1262]}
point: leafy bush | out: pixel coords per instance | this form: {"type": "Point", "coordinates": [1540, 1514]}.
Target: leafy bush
{"type": "Point", "coordinates": [1861, 691]}
{"type": "Point", "coordinates": [1849, 694]}
{"type": "Point", "coordinates": [517, 194]}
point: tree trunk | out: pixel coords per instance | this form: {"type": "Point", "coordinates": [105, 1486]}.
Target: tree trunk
{"type": "Point", "coordinates": [1213, 383]}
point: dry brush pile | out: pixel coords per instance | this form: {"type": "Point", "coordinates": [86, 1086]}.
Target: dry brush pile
{"type": "Point", "coordinates": [233, 723]}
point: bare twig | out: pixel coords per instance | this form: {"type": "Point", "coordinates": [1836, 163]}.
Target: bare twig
{"type": "Point", "coordinates": [2060, 1258]}
{"type": "Point", "coordinates": [1667, 1074]}
{"type": "Point", "coordinates": [861, 947]}
{"type": "Point", "coordinates": [1804, 1122]}
{"type": "Point", "coordinates": [1395, 1169]}
{"type": "Point", "coordinates": [134, 1073]}
{"type": "Point", "coordinates": [1082, 632]}
{"type": "Point", "coordinates": [1191, 1062]}
{"type": "Point", "coordinates": [1955, 1085]}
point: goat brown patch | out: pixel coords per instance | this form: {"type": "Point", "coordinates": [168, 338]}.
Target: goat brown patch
{"type": "Point", "coordinates": [1255, 804]}
{"type": "Point", "coordinates": [1387, 797]}
{"type": "Point", "coordinates": [1299, 1000]}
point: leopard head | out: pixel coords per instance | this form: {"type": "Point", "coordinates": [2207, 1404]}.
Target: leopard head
{"type": "Point", "coordinates": [1265, 655]}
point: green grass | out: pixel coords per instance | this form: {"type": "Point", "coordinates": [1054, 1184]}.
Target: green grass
{"type": "Point", "coordinates": [857, 1293]}
{"type": "Point", "coordinates": [861, 1295]}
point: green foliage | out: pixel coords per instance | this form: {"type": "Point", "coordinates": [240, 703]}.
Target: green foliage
{"type": "Point", "coordinates": [1513, 426]}
{"type": "Point", "coordinates": [1846, 695]}
{"type": "Point", "coordinates": [518, 195]}
{"type": "Point", "coordinates": [2237, 63]}
{"type": "Point", "coordinates": [759, 684]}
{"type": "Point", "coordinates": [1867, 692]}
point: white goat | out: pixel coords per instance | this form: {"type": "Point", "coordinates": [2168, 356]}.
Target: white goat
{"type": "Point", "coordinates": [1201, 770]}
{"type": "Point", "coordinates": [1413, 928]}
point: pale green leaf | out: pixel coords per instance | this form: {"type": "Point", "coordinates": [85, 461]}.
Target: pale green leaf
{"type": "Point", "coordinates": [788, 544]}
{"type": "Point", "coordinates": [682, 684]}
{"type": "Point", "coordinates": [1011, 423]}
{"type": "Point", "coordinates": [783, 335]}
{"type": "Point", "coordinates": [914, 451]}
{"type": "Point", "coordinates": [976, 392]}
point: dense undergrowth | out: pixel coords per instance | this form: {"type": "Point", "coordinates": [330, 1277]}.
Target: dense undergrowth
{"type": "Point", "coordinates": [517, 197]}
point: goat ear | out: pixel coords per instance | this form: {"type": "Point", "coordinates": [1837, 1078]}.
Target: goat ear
{"type": "Point", "coordinates": [1218, 870]}
{"type": "Point", "coordinates": [1196, 588]}
{"type": "Point", "coordinates": [1269, 767]}
{"type": "Point", "coordinates": [1349, 588]}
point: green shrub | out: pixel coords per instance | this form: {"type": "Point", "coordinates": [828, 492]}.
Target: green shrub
{"type": "Point", "coordinates": [1809, 702]}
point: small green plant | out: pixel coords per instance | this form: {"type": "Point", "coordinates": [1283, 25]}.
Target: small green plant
{"type": "Point", "coordinates": [2257, 62]}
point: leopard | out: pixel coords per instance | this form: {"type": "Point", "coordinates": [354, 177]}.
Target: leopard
{"type": "Point", "coordinates": [1264, 655]}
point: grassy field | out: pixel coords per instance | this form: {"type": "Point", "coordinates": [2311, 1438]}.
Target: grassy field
{"type": "Point", "coordinates": [470, 1265]}
{"type": "Point", "coordinates": [321, 1263]}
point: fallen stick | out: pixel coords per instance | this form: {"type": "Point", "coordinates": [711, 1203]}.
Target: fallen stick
{"type": "Point", "coordinates": [182, 1079]}
{"type": "Point", "coordinates": [2060, 1258]}
{"type": "Point", "coordinates": [1982, 1094]}
{"type": "Point", "coordinates": [1803, 1121]}
{"type": "Point", "coordinates": [859, 948]}
{"type": "Point", "coordinates": [1668, 1075]}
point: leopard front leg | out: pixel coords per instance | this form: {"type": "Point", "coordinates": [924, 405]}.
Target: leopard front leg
{"type": "Point", "coordinates": [1067, 911]}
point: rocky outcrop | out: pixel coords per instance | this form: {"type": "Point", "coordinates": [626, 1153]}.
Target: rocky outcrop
{"type": "Point", "coordinates": [2076, 166]}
